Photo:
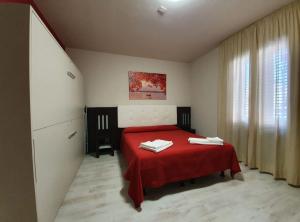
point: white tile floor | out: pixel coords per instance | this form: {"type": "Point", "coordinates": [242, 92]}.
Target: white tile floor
{"type": "Point", "coordinates": [99, 193]}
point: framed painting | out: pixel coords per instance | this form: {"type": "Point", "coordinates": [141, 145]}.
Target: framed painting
{"type": "Point", "coordinates": [144, 85]}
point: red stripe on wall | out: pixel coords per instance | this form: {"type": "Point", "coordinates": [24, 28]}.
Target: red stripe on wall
{"type": "Point", "coordinates": [38, 11]}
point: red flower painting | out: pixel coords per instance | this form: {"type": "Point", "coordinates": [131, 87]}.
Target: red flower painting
{"type": "Point", "coordinates": [143, 85]}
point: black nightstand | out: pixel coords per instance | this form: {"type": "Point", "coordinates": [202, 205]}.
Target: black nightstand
{"type": "Point", "coordinates": [190, 130]}
{"type": "Point", "coordinates": [105, 149]}
{"type": "Point", "coordinates": [103, 134]}
{"type": "Point", "coordinates": [104, 146]}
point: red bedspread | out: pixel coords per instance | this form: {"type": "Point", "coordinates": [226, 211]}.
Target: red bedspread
{"type": "Point", "coordinates": [179, 162]}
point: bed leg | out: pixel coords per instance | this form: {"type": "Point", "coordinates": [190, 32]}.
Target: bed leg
{"type": "Point", "coordinates": [144, 191]}
{"type": "Point", "coordinates": [138, 207]}
{"type": "Point", "coordinates": [222, 174]}
{"type": "Point", "coordinates": [182, 184]}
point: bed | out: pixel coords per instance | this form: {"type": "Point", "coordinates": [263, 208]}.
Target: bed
{"type": "Point", "coordinates": [181, 161]}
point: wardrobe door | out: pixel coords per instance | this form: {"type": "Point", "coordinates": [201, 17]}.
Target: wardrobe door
{"type": "Point", "coordinates": [58, 152]}
{"type": "Point", "coordinates": [75, 93]}
{"type": "Point", "coordinates": [48, 77]}
{"type": "Point", "coordinates": [75, 148]}
{"type": "Point", "coordinates": [52, 182]}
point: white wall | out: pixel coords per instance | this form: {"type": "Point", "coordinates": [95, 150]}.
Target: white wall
{"type": "Point", "coordinates": [204, 78]}
{"type": "Point", "coordinates": [106, 78]}
{"type": "Point", "coordinates": [195, 84]}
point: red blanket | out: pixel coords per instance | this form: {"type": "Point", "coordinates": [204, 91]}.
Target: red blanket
{"type": "Point", "coordinates": [181, 161]}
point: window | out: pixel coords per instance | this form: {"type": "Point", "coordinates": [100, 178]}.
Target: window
{"type": "Point", "coordinates": [274, 83]}
{"type": "Point", "coordinates": [241, 84]}
{"type": "Point", "coordinates": [273, 88]}
{"type": "Point", "coordinates": [281, 62]}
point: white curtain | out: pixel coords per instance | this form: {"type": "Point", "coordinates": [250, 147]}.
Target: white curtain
{"type": "Point", "coordinates": [235, 88]}
{"type": "Point", "coordinates": [259, 98]}
{"type": "Point", "coordinates": [240, 67]}
{"type": "Point", "coordinates": [272, 108]}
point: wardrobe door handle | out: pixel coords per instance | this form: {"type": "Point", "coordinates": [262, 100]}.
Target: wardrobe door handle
{"type": "Point", "coordinates": [72, 134]}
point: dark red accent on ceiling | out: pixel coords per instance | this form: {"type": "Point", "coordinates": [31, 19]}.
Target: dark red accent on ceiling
{"type": "Point", "coordinates": [38, 11]}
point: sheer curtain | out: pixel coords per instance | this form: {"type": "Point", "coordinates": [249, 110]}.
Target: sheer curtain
{"type": "Point", "coordinates": [259, 94]}
{"type": "Point", "coordinates": [234, 93]}
{"type": "Point", "coordinates": [272, 108]}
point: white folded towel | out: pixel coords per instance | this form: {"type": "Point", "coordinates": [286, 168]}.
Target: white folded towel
{"type": "Point", "coordinates": [156, 145]}
{"type": "Point", "coordinates": [206, 141]}
{"type": "Point", "coordinates": [214, 139]}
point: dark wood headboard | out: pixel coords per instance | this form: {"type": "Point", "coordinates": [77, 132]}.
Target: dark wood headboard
{"type": "Point", "coordinates": [102, 125]}
{"type": "Point", "coordinates": [184, 117]}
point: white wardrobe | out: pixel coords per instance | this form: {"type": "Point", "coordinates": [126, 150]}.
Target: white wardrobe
{"type": "Point", "coordinates": [56, 109]}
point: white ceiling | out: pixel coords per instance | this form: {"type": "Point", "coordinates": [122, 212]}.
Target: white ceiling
{"type": "Point", "coordinates": [133, 27]}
